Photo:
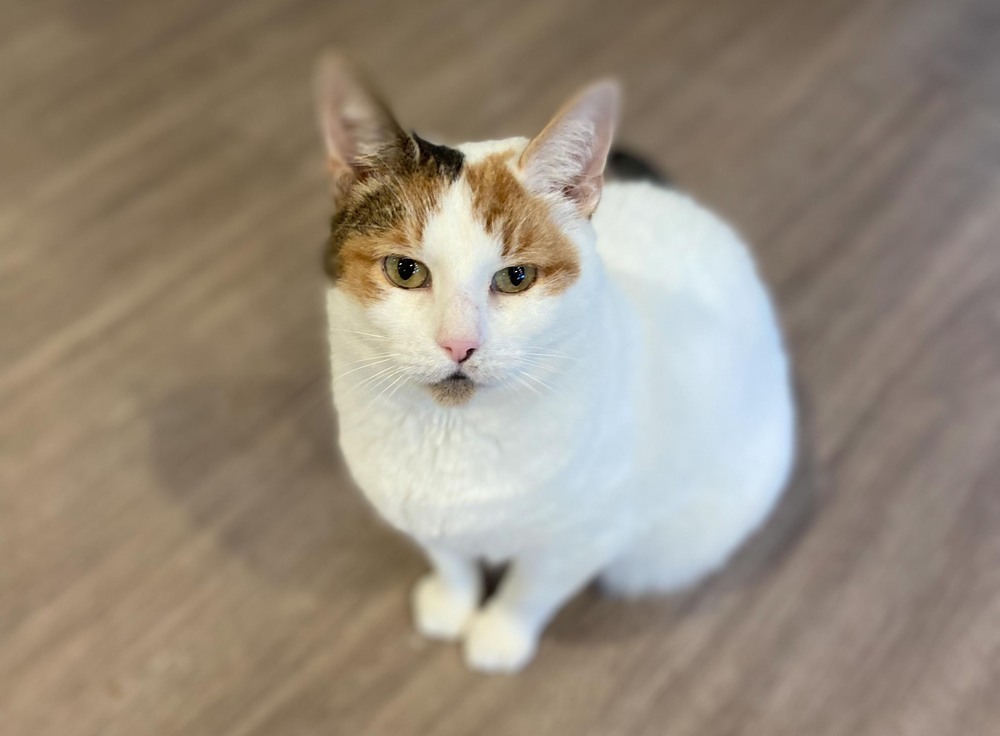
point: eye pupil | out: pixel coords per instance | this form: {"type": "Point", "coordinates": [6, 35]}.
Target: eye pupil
{"type": "Point", "coordinates": [515, 274]}
{"type": "Point", "coordinates": [406, 267]}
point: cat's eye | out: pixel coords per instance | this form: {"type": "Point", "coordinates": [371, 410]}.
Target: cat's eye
{"type": "Point", "coordinates": [514, 279]}
{"type": "Point", "coordinates": [406, 273]}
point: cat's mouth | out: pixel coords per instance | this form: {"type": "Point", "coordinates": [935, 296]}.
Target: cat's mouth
{"type": "Point", "coordinates": [454, 390]}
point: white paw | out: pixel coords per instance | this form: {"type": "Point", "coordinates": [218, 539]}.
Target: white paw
{"type": "Point", "coordinates": [438, 611]}
{"type": "Point", "coordinates": [499, 642]}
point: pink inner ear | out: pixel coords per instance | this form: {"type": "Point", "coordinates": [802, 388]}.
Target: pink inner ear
{"type": "Point", "coordinates": [586, 194]}
{"type": "Point", "coordinates": [568, 156]}
{"type": "Point", "coordinates": [353, 121]}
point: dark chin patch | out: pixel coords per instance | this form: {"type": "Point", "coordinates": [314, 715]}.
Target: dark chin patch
{"type": "Point", "coordinates": [452, 391]}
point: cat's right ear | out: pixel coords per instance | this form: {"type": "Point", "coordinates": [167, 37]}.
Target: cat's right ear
{"type": "Point", "coordinates": [356, 126]}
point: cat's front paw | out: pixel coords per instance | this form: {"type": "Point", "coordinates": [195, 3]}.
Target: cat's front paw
{"type": "Point", "coordinates": [438, 611]}
{"type": "Point", "coordinates": [497, 641]}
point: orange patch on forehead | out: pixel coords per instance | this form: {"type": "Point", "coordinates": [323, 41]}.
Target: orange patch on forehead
{"type": "Point", "coordinates": [383, 212]}
{"type": "Point", "coordinates": [356, 264]}
{"type": "Point", "coordinates": [522, 222]}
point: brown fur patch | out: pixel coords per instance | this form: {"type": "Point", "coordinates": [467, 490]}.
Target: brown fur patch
{"type": "Point", "coordinates": [383, 212]}
{"type": "Point", "coordinates": [452, 391]}
{"type": "Point", "coordinates": [522, 222]}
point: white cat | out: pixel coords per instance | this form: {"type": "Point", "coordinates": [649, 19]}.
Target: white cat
{"type": "Point", "coordinates": [530, 366]}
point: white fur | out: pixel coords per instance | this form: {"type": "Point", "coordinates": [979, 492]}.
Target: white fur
{"type": "Point", "coordinates": [636, 427]}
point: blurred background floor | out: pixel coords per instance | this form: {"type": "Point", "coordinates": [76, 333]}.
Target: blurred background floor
{"type": "Point", "coordinates": [180, 551]}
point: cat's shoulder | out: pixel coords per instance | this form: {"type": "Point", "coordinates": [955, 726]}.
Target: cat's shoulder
{"type": "Point", "coordinates": [639, 221]}
{"type": "Point", "coordinates": [649, 205]}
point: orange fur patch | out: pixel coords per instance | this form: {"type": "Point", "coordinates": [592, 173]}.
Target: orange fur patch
{"type": "Point", "coordinates": [522, 222]}
{"type": "Point", "coordinates": [357, 264]}
{"type": "Point", "coordinates": [383, 212]}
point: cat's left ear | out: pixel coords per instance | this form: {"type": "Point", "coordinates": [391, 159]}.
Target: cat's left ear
{"type": "Point", "coordinates": [567, 158]}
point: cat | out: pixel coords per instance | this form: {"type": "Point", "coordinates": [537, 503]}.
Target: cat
{"type": "Point", "coordinates": [530, 366]}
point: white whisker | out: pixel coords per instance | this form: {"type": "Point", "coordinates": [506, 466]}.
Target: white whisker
{"type": "Point", "coordinates": [368, 364]}
{"type": "Point", "coordinates": [396, 374]}
{"type": "Point", "coordinates": [517, 377]}
{"type": "Point", "coordinates": [384, 379]}
{"type": "Point", "coordinates": [548, 386]}
{"type": "Point", "coordinates": [372, 379]}
{"type": "Point", "coordinates": [394, 387]}
{"type": "Point", "coordinates": [373, 357]}
{"type": "Point", "coordinates": [548, 353]}
{"type": "Point", "coordinates": [533, 353]}
{"type": "Point", "coordinates": [508, 385]}
{"type": "Point", "coordinates": [359, 332]}
{"type": "Point", "coordinates": [537, 364]}
{"type": "Point", "coordinates": [389, 387]}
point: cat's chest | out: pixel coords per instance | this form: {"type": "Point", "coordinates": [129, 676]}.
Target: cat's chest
{"type": "Point", "coordinates": [471, 483]}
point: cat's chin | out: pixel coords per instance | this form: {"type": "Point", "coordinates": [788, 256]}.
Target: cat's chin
{"type": "Point", "coordinates": [455, 390]}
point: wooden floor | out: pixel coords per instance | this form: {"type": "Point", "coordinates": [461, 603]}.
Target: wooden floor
{"type": "Point", "coordinates": [180, 550]}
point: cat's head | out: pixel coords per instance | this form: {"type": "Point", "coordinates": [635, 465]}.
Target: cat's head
{"type": "Point", "coordinates": [459, 269]}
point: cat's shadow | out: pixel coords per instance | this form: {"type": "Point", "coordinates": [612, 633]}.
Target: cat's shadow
{"type": "Point", "coordinates": [251, 459]}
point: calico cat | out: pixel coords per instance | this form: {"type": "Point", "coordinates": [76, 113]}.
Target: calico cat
{"type": "Point", "coordinates": [530, 366]}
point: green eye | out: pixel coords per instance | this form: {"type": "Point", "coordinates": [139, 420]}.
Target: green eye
{"type": "Point", "coordinates": [514, 279]}
{"type": "Point", "coordinates": [406, 273]}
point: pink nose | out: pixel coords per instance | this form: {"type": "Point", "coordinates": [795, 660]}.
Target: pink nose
{"type": "Point", "coordinates": [459, 349]}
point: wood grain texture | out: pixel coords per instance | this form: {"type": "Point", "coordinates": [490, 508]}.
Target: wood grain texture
{"type": "Point", "coordinates": [180, 550]}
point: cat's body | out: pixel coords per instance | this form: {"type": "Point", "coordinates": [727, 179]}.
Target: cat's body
{"type": "Point", "coordinates": [631, 420]}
